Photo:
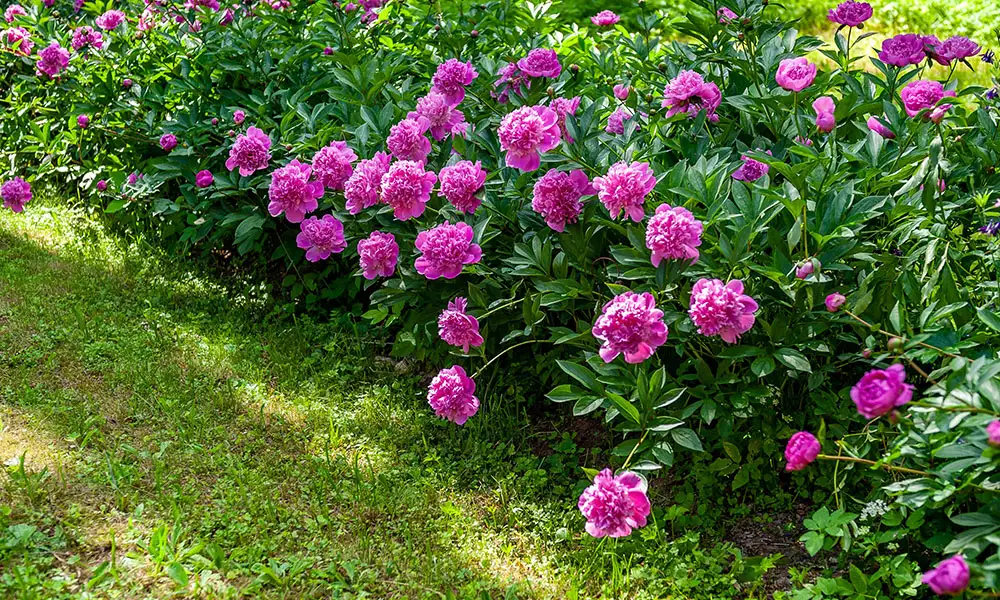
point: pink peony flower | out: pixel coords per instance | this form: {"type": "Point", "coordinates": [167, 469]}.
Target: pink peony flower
{"type": "Point", "coordinates": [443, 117]}
{"type": "Point", "coordinates": [881, 390]}
{"type": "Point", "coordinates": [616, 121]}
{"type": "Point", "coordinates": [452, 395]}
{"type": "Point", "coordinates": [751, 170]}
{"type": "Point", "coordinates": [332, 165]}
{"type": "Point", "coordinates": [52, 60]}
{"type": "Point", "coordinates": [875, 124]}
{"type": "Point", "coordinates": [250, 152]}
{"type": "Point", "coordinates": [795, 74]}
{"type": "Point", "coordinates": [204, 179]}
{"type": "Point", "coordinates": [86, 37]}
{"type": "Point", "coordinates": [802, 449]}
{"type": "Point", "coordinates": [674, 234]}
{"type": "Point", "coordinates": [564, 107]}
{"type": "Point", "coordinates": [726, 16]}
{"type": "Point", "coordinates": [461, 182]}
{"type": "Point", "coordinates": [168, 141]}
{"type": "Point", "coordinates": [834, 301]}
{"type": "Point", "coordinates": [949, 578]}
{"type": "Point", "coordinates": [540, 62]}
{"type": "Point", "coordinates": [15, 193]}
{"type": "Point", "coordinates": [458, 328]}
{"type": "Point", "coordinates": [958, 48]}
{"type": "Point", "coordinates": [850, 13]}
{"type": "Point", "coordinates": [133, 178]}
{"type": "Point", "coordinates": [993, 433]}
{"type": "Point", "coordinates": [82, 121]}
{"type": "Point", "coordinates": [902, 50]}
{"type": "Point", "coordinates": [804, 269]}
{"type": "Point", "coordinates": [557, 197]}
{"type": "Point", "coordinates": [406, 187]}
{"type": "Point", "coordinates": [327, 51]}
{"type": "Point", "coordinates": [451, 78]}
{"type": "Point", "coordinates": [526, 133]}
{"type": "Point", "coordinates": [378, 254]}
{"type": "Point", "coordinates": [13, 11]}
{"type": "Point", "coordinates": [688, 93]}
{"type": "Point", "coordinates": [110, 20]}
{"type": "Point", "coordinates": [445, 250]}
{"type": "Point", "coordinates": [621, 92]}
{"type": "Point", "coordinates": [239, 116]}
{"type": "Point", "coordinates": [624, 189]}
{"type": "Point", "coordinates": [363, 188]}
{"type": "Point", "coordinates": [321, 237]}
{"type": "Point", "coordinates": [721, 309]}
{"type": "Point", "coordinates": [292, 193]}
{"type": "Point", "coordinates": [102, 185]}
{"type": "Point", "coordinates": [921, 95]}
{"type": "Point", "coordinates": [630, 324]}
{"type": "Point", "coordinates": [615, 504]}
{"type": "Point", "coordinates": [407, 141]}
{"type": "Point", "coordinates": [825, 120]}
{"type": "Point", "coordinates": [511, 80]}
{"type": "Point", "coordinates": [605, 18]}
{"type": "Point", "coordinates": [21, 38]}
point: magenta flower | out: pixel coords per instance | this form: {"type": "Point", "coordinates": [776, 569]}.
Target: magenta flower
{"type": "Point", "coordinates": [674, 234]}
{"type": "Point", "coordinates": [540, 62]}
{"type": "Point", "coordinates": [564, 107]}
{"type": "Point", "coordinates": [616, 121]}
{"type": "Point", "coordinates": [557, 197]}
{"type": "Point", "coordinates": [902, 50]}
{"type": "Point", "coordinates": [250, 152]}
{"type": "Point", "coordinates": [332, 165]}
{"type": "Point", "coordinates": [19, 40]}
{"type": "Point", "coordinates": [443, 117]}
{"type": "Point", "coordinates": [615, 504]}
{"type": "Point", "coordinates": [452, 395]}
{"type": "Point", "coordinates": [621, 91]}
{"type": "Point", "coordinates": [721, 309]}
{"type": "Point", "coordinates": [204, 179]}
{"type": "Point", "coordinates": [292, 193]}
{"type": "Point", "coordinates": [875, 124]}
{"type": "Point", "coordinates": [82, 121]}
{"type": "Point", "coordinates": [110, 20]}
{"type": "Point", "coordinates": [802, 449]}
{"type": "Point", "coordinates": [378, 254]}
{"type": "Point", "coordinates": [726, 16]}
{"type": "Point", "coordinates": [993, 433]}
{"type": "Point", "coordinates": [958, 48]}
{"type": "Point", "coordinates": [881, 390]}
{"type": "Point", "coordinates": [526, 133]}
{"type": "Point", "coordinates": [13, 11]}
{"type": "Point", "coordinates": [834, 301]}
{"type": "Point", "coordinates": [949, 578]}
{"type": "Point", "coordinates": [168, 141]}
{"type": "Point", "coordinates": [406, 187]}
{"type": "Point", "coordinates": [15, 193]}
{"type": "Point", "coordinates": [688, 93]}
{"type": "Point", "coordinates": [363, 188]}
{"type": "Point", "coordinates": [825, 120]}
{"type": "Point", "coordinates": [850, 13]}
{"type": "Point", "coordinates": [511, 80]}
{"type": "Point", "coordinates": [102, 185]}
{"type": "Point", "coordinates": [630, 324]}
{"type": "Point", "coordinates": [321, 237]}
{"type": "Point", "coordinates": [52, 60]}
{"type": "Point", "coordinates": [751, 170]}
{"type": "Point", "coordinates": [460, 184]}
{"type": "Point", "coordinates": [804, 269]}
{"type": "Point", "coordinates": [84, 37]}
{"type": "Point", "coordinates": [605, 18]}
{"type": "Point", "coordinates": [921, 95]}
{"type": "Point", "coordinates": [451, 78]}
{"type": "Point", "coordinates": [445, 249]}
{"type": "Point", "coordinates": [458, 328]}
{"type": "Point", "coordinates": [795, 74]}
{"type": "Point", "coordinates": [624, 189]}
{"type": "Point", "coordinates": [239, 116]}
{"type": "Point", "coordinates": [407, 141]}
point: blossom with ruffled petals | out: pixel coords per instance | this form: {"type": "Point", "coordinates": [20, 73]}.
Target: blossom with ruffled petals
{"type": "Point", "coordinates": [540, 62]}
{"type": "Point", "coordinates": [921, 95]}
{"type": "Point", "coordinates": [616, 121]}
{"type": "Point", "coordinates": [615, 504]}
{"type": "Point", "coordinates": [333, 165]}
{"type": "Point", "coordinates": [168, 141]}
{"type": "Point", "coordinates": [445, 250]}
{"type": "Point", "coordinates": [993, 433]}
{"type": "Point", "coordinates": [204, 179]}
{"type": "Point", "coordinates": [321, 237]}
{"type": "Point", "coordinates": [850, 13]}
{"type": "Point", "coordinates": [630, 324]}
{"type": "Point", "coordinates": [459, 328]}
{"type": "Point", "coordinates": [86, 37]}
{"type": "Point", "coordinates": [451, 78]}
{"type": "Point", "coordinates": [690, 94]}
{"type": "Point", "coordinates": [452, 395]}
{"type": "Point", "coordinates": [563, 108]}
{"type": "Point", "coordinates": [460, 184]}
{"type": "Point", "coordinates": [377, 255]}
{"type": "Point", "coordinates": [557, 197]}
{"type": "Point", "coordinates": [902, 50]}
{"type": "Point", "coordinates": [13, 11]}
{"type": "Point", "coordinates": [795, 74]}
{"type": "Point", "coordinates": [673, 233]}
{"type": "Point", "coordinates": [110, 20]}
{"type": "Point", "coordinates": [407, 141]}
{"type": "Point", "coordinates": [250, 152]}
{"type": "Point", "coordinates": [19, 37]}
{"type": "Point", "coordinates": [881, 390]}
{"type": "Point", "coordinates": [605, 18]}
{"type": "Point", "coordinates": [751, 170]}
{"type": "Point", "coordinates": [443, 117]}
{"type": "Point", "coordinates": [721, 309]}
{"type": "Point", "coordinates": [802, 449]}
{"type": "Point", "coordinates": [52, 60]}
{"type": "Point", "coordinates": [526, 133]}
{"type": "Point", "coordinates": [292, 193]}
{"type": "Point", "coordinates": [15, 194]}
{"type": "Point", "coordinates": [363, 188]}
{"type": "Point", "coordinates": [624, 188]}
{"type": "Point", "coordinates": [958, 47]}
{"type": "Point", "coordinates": [406, 187]}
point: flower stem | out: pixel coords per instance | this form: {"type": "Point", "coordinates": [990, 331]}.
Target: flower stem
{"type": "Point", "coordinates": [875, 464]}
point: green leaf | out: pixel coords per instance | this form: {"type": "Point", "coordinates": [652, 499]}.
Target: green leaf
{"type": "Point", "coordinates": [762, 366]}
{"type": "Point", "coordinates": [581, 374]}
{"type": "Point", "coordinates": [858, 580]}
{"type": "Point", "coordinates": [586, 405]}
{"type": "Point", "coordinates": [989, 318]}
{"type": "Point", "coordinates": [564, 393]}
{"type": "Point", "coordinates": [813, 541]}
{"type": "Point", "coordinates": [625, 407]}
{"type": "Point", "coordinates": [687, 438]}
{"type": "Point", "coordinates": [793, 359]}
{"type": "Point", "coordinates": [178, 574]}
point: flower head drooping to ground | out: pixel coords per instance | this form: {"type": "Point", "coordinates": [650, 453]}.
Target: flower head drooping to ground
{"type": "Point", "coordinates": [15, 193]}
{"type": "Point", "coordinates": [458, 328]}
{"type": "Point", "coordinates": [445, 250]}
{"type": "Point", "coordinates": [451, 78]}
{"type": "Point", "coordinates": [557, 196]}
{"type": "Point", "coordinates": [19, 37]}
{"type": "Point", "coordinates": [110, 20]}
{"type": "Point", "coordinates": [407, 140]}
{"type": "Point", "coordinates": [751, 170]}
{"type": "Point", "coordinates": [168, 141]}
{"type": "Point", "coordinates": [443, 117]}
{"type": "Point", "coordinates": [721, 309]}
{"type": "Point", "coordinates": [921, 95]}
{"type": "Point", "coordinates": [614, 505]}
{"type": "Point", "coordinates": [621, 91]}
{"type": "Point", "coordinates": [834, 301]}
{"type": "Point", "coordinates": [949, 578]}
{"type": "Point", "coordinates": [526, 133]}
{"type": "Point", "coordinates": [378, 254]}
{"type": "Point", "coordinates": [616, 121]}
{"type": "Point", "coordinates": [802, 449]}
{"type": "Point", "coordinates": [875, 124]}
{"type": "Point", "coordinates": [825, 119]}
{"type": "Point", "coordinates": [321, 237]}
{"type": "Point", "coordinates": [406, 187]}
{"type": "Point", "coordinates": [250, 152]}
{"type": "Point", "coordinates": [540, 62]}
{"type": "Point", "coordinates": [673, 233]}
{"type": "Point", "coordinates": [795, 74]}
{"type": "Point", "coordinates": [903, 50]}
{"type": "Point", "coordinates": [510, 79]}
{"type": "Point", "coordinates": [630, 324]}
{"type": "Point", "coordinates": [460, 184]}
{"type": "Point", "coordinates": [881, 390]}
{"type": "Point", "coordinates": [333, 165]}
{"type": "Point", "coordinates": [292, 193]}
{"type": "Point", "coordinates": [363, 188]}
{"type": "Point", "coordinates": [605, 18]}
{"type": "Point", "coordinates": [624, 188]}
{"type": "Point", "coordinates": [452, 395]}
{"type": "Point", "coordinates": [85, 37]}
{"type": "Point", "coordinates": [13, 11]}
{"type": "Point", "coordinates": [689, 93]}
{"type": "Point", "coordinates": [563, 108]}
{"type": "Point", "coordinates": [726, 15]}
{"type": "Point", "coordinates": [52, 60]}
{"type": "Point", "coordinates": [850, 13]}
{"type": "Point", "coordinates": [82, 121]}
{"type": "Point", "coordinates": [204, 179]}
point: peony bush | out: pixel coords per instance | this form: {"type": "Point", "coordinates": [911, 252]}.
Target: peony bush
{"type": "Point", "coordinates": [748, 244]}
